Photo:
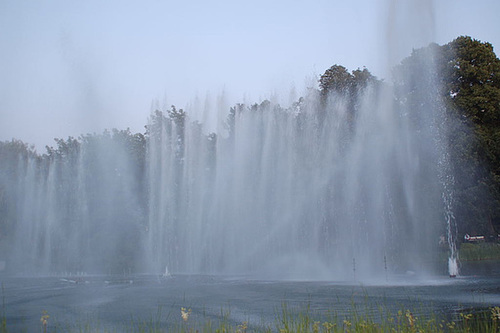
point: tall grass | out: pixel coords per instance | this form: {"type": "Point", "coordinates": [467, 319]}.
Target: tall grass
{"type": "Point", "coordinates": [288, 320]}
{"type": "Point", "coordinates": [298, 320]}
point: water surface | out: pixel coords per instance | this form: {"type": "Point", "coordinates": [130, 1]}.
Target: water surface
{"type": "Point", "coordinates": [117, 301]}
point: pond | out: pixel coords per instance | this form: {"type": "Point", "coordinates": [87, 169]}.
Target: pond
{"type": "Point", "coordinates": [119, 301]}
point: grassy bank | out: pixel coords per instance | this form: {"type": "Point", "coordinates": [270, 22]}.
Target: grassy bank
{"type": "Point", "coordinates": [479, 251]}
{"type": "Point", "coordinates": [288, 320]}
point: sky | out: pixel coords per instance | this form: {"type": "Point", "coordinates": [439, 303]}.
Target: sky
{"type": "Point", "coordinates": [74, 67]}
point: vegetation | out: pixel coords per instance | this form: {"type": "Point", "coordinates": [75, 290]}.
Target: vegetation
{"type": "Point", "coordinates": [466, 73]}
{"type": "Point", "coordinates": [287, 320]}
{"type": "Point", "coordinates": [479, 251]}
{"type": "Point", "coordinates": [473, 92]}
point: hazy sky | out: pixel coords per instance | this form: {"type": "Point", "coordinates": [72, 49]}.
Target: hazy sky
{"type": "Point", "coordinates": [73, 67]}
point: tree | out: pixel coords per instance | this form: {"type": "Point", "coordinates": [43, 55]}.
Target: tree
{"type": "Point", "coordinates": [471, 73]}
{"type": "Point", "coordinates": [336, 78]}
{"type": "Point", "coordinates": [466, 75]}
{"type": "Point", "coordinates": [337, 82]}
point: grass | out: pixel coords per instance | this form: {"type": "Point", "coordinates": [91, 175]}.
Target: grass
{"type": "Point", "coordinates": [301, 320]}
{"type": "Point", "coordinates": [385, 321]}
{"type": "Point", "coordinates": [479, 251]}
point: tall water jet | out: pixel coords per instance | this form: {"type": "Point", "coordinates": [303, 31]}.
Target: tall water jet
{"type": "Point", "coordinates": [420, 30]}
{"type": "Point", "coordinates": [448, 181]}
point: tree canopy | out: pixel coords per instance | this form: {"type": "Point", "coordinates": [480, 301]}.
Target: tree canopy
{"type": "Point", "coordinates": [466, 72]}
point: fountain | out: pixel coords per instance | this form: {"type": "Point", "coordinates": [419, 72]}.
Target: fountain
{"type": "Point", "coordinates": [303, 192]}
{"type": "Point", "coordinates": [335, 186]}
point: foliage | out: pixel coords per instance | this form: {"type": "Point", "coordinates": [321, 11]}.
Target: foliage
{"type": "Point", "coordinates": [472, 70]}
{"type": "Point", "coordinates": [472, 83]}
{"type": "Point", "coordinates": [336, 78]}
{"type": "Point", "coordinates": [337, 84]}
{"type": "Point", "coordinates": [465, 74]}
